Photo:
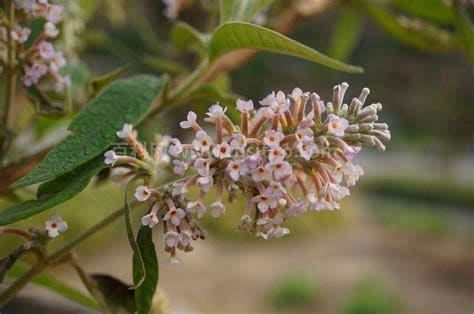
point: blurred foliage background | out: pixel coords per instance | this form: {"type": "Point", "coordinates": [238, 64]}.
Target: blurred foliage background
{"type": "Point", "coordinates": [402, 243]}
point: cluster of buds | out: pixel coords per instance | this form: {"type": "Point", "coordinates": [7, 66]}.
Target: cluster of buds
{"type": "Point", "coordinates": [292, 154]}
{"type": "Point", "coordinates": [41, 58]}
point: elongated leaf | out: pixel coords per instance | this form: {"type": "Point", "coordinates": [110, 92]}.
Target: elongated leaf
{"type": "Point", "coordinates": [97, 83]}
{"type": "Point", "coordinates": [465, 29]}
{"type": "Point", "coordinates": [47, 281]}
{"type": "Point", "coordinates": [95, 127]}
{"type": "Point", "coordinates": [184, 36]}
{"type": "Point", "coordinates": [421, 35]}
{"type": "Point", "coordinates": [139, 272]}
{"type": "Point", "coordinates": [241, 10]}
{"type": "Point", "coordinates": [346, 34]}
{"type": "Point", "coordinates": [54, 192]}
{"type": "Point", "coordinates": [145, 292]}
{"type": "Point", "coordinates": [117, 295]}
{"type": "Point", "coordinates": [237, 35]}
{"type": "Point", "coordinates": [433, 10]}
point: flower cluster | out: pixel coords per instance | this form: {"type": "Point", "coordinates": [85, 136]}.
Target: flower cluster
{"type": "Point", "coordinates": [41, 58]}
{"type": "Point", "coordinates": [292, 154]}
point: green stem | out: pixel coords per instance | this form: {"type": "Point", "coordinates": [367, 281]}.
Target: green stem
{"type": "Point", "coordinates": [184, 89]}
{"type": "Point", "coordinates": [90, 285]}
{"type": "Point", "coordinates": [20, 283]}
{"type": "Point", "coordinates": [54, 258]}
{"type": "Point", "coordinates": [10, 77]}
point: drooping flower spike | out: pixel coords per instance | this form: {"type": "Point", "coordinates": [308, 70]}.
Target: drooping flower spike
{"type": "Point", "coordinates": [42, 58]}
{"type": "Point", "coordinates": [294, 153]}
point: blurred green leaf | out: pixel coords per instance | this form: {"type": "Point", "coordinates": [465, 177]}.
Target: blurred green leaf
{"type": "Point", "coordinates": [145, 292]}
{"type": "Point", "coordinates": [433, 10]}
{"type": "Point", "coordinates": [237, 35]}
{"type": "Point", "coordinates": [416, 33]}
{"type": "Point", "coordinates": [48, 104]}
{"type": "Point", "coordinates": [184, 37]}
{"type": "Point", "coordinates": [89, 8]}
{"type": "Point", "coordinates": [241, 10]}
{"type": "Point", "coordinates": [163, 65]}
{"type": "Point", "coordinates": [47, 281]}
{"type": "Point", "coordinates": [95, 127]}
{"type": "Point", "coordinates": [118, 296]}
{"type": "Point", "coordinates": [78, 72]}
{"type": "Point", "coordinates": [346, 34]}
{"type": "Point", "coordinates": [96, 83]}
{"type": "Point", "coordinates": [465, 29]}
{"type": "Point", "coordinates": [54, 192]}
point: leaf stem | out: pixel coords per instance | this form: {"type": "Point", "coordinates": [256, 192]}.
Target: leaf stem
{"type": "Point", "coordinates": [89, 284]}
{"type": "Point", "coordinates": [10, 77]}
{"type": "Point", "coordinates": [20, 283]}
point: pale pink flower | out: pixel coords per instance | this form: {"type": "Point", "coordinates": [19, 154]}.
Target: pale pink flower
{"type": "Point", "coordinates": [20, 34]}
{"type": "Point", "coordinates": [51, 30]}
{"type": "Point", "coordinates": [217, 209]}
{"type": "Point", "coordinates": [171, 238]}
{"type": "Point", "coordinates": [127, 131]}
{"type": "Point", "coordinates": [273, 138]}
{"type": "Point", "coordinates": [150, 220]}
{"type": "Point", "coordinates": [175, 215]}
{"type": "Point", "coordinates": [55, 225]}
{"type": "Point", "coordinates": [46, 50]}
{"type": "Point", "coordinates": [276, 154]}
{"type": "Point", "coordinates": [190, 120]}
{"type": "Point", "coordinates": [110, 158]}
{"type": "Point", "coordinates": [179, 167]}
{"type": "Point", "coordinates": [176, 148]}
{"type": "Point", "coordinates": [337, 125]}
{"type": "Point", "coordinates": [244, 106]}
{"type": "Point", "coordinates": [202, 143]}
{"type": "Point", "coordinates": [142, 193]}
{"type": "Point", "coordinates": [222, 151]}
{"type": "Point", "coordinates": [203, 166]}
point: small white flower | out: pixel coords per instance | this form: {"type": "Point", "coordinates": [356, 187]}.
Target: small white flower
{"type": "Point", "coordinates": [273, 138]}
{"type": "Point", "coordinates": [202, 166]}
{"type": "Point", "coordinates": [276, 154]}
{"type": "Point", "coordinates": [46, 50]}
{"type": "Point", "coordinates": [53, 13]}
{"type": "Point", "coordinates": [234, 169]}
{"type": "Point", "coordinates": [171, 238]}
{"type": "Point", "coordinates": [179, 167]}
{"type": "Point", "coordinates": [278, 232]}
{"type": "Point", "coordinates": [202, 143]}
{"type": "Point", "coordinates": [351, 151]}
{"type": "Point", "coordinates": [179, 189]}
{"type": "Point", "coordinates": [296, 209]}
{"type": "Point", "coordinates": [259, 174]}
{"type": "Point", "coordinates": [127, 131]}
{"type": "Point", "coordinates": [142, 193]}
{"type": "Point", "coordinates": [150, 220]}
{"type": "Point", "coordinates": [264, 202]}
{"type": "Point", "coordinates": [205, 183]}
{"type": "Point", "coordinates": [110, 158]}
{"type": "Point", "coordinates": [304, 134]}
{"type": "Point", "coordinates": [244, 106]}
{"type": "Point", "coordinates": [55, 225]}
{"type": "Point", "coordinates": [175, 215]}
{"type": "Point", "coordinates": [337, 125]}
{"type": "Point", "coordinates": [20, 34]}
{"type": "Point", "coordinates": [57, 62]}
{"type": "Point", "coordinates": [196, 207]}
{"type": "Point", "coordinates": [280, 169]}
{"type": "Point", "coordinates": [51, 30]}
{"type": "Point", "coordinates": [307, 150]}
{"type": "Point", "coordinates": [217, 209]}
{"type": "Point", "coordinates": [185, 238]}
{"type": "Point", "coordinates": [238, 141]}
{"type": "Point", "coordinates": [176, 148]}
{"type": "Point", "coordinates": [221, 151]}
{"type": "Point", "coordinates": [190, 120]}
{"type": "Point", "coordinates": [215, 111]}
{"type": "Point", "coordinates": [252, 161]}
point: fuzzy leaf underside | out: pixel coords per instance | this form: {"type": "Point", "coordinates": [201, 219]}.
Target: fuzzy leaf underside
{"type": "Point", "coordinates": [94, 128]}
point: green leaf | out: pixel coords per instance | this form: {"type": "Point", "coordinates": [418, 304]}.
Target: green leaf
{"type": "Point", "coordinates": [237, 35]}
{"type": "Point", "coordinates": [117, 295]}
{"type": "Point", "coordinates": [145, 292]}
{"type": "Point", "coordinates": [163, 64]}
{"type": "Point", "coordinates": [97, 83]}
{"type": "Point", "coordinates": [139, 270]}
{"type": "Point", "coordinates": [184, 37]}
{"type": "Point", "coordinates": [419, 34]}
{"type": "Point", "coordinates": [89, 8]}
{"type": "Point", "coordinates": [95, 127]}
{"type": "Point", "coordinates": [47, 281]}
{"type": "Point", "coordinates": [54, 192]}
{"type": "Point", "coordinates": [432, 10]}
{"type": "Point", "coordinates": [465, 29]}
{"type": "Point", "coordinates": [346, 34]}
{"type": "Point", "coordinates": [241, 10]}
